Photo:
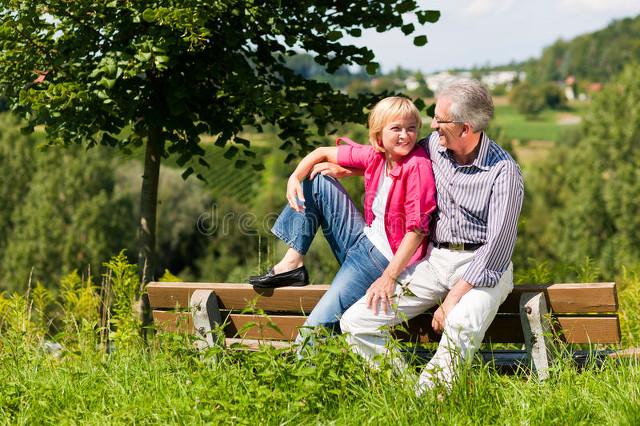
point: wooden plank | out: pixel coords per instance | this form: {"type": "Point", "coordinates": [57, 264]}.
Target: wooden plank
{"type": "Point", "coordinates": [504, 329]}
{"type": "Point", "coordinates": [569, 298]}
{"type": "Point", "coordinates": [561, 298]}
{"type": "Point", "coordinates": [603, 329]}
{"type": "Point", "coordinates": [238, 296]}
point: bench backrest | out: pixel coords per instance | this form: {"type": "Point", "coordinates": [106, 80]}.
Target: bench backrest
{"type": "Point", "coordinates": [582, 313]}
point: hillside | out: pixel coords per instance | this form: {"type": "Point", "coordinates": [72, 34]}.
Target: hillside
{"type": "Point", "coordinates": [594, 56]}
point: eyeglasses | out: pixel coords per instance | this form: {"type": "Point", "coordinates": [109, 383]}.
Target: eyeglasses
{"type": "Point", "coordinates": [437, 120]}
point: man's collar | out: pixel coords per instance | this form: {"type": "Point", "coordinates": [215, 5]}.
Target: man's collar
{"type": "Point", "coordinates": [481, 160]}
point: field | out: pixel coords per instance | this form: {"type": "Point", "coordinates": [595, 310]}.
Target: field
{"type": "Point", "coordinates": [171, 384]}
{"type": "Point", "coordinates": [165, 381]}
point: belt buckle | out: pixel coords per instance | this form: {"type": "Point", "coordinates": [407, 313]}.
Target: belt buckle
{"type": "Point", "coordinates": [456, 246]}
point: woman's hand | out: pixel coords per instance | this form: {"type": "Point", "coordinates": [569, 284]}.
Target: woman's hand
{"type": "Point", "coordinates": [382, 290]}
{"type": "Point", "coordinates": [330, 169]}
{"type": "Point", "coordinates": [295, 196]}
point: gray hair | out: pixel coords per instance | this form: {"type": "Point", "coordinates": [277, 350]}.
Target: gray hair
{"type": "Point", "coordinates": [470, 102]}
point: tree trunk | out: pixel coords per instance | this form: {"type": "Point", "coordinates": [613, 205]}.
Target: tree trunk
{"type": "Point", "coordinates": [148, 208]}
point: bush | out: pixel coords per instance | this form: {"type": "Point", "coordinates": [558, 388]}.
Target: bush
{"type": "Point", "coordinates": [528, 100]}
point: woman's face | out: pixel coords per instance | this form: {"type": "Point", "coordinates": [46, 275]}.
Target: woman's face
{"type": "Point", "coordinates": [398, 137]}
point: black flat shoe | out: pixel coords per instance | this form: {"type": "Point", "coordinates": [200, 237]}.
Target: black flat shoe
{"type": "Point", "coordinates": [297, 278]}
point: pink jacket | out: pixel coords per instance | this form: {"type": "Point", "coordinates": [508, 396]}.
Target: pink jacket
{"type": "Point", "coordinates": [412, 196]}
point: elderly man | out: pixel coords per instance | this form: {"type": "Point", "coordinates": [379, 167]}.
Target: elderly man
{"type": "Point", "coordinates": [468, 268]}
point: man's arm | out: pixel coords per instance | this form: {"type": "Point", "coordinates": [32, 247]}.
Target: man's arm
{"type": "Point", "coordinates": [492, 259]}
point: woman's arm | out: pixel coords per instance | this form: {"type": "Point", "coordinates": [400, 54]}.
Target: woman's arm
{"type": "Point", "coordinates": [384, 287]}
{"type": "Point", "coordinates": [295, 197]}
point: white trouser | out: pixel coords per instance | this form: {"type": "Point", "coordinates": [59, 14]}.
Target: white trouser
{"type": "Point", "coordinates": [430, 280]}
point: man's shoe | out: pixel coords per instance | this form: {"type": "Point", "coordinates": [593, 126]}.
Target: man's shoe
{"type": "Point", "coordinates": [297, 278]}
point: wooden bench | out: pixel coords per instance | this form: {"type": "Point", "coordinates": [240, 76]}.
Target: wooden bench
{"type": "Point", "coordinates": [533, 315]}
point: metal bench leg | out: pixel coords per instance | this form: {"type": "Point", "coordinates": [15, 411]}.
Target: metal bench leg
{"type": "Point", "coordinates": [537, 330]}
{"type": "Point", "coordinates": [205, 314]}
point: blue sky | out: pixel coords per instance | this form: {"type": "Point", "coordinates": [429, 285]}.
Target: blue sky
{"type": "Point", "coordinates": [477, 32]}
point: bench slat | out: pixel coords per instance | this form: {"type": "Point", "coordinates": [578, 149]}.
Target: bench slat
{"type": "Point", "coordinates": [562, 298]}
{"type": "Point", "coordinates": [238, 296]}
{"type": "Point", "coordinates": [569, 298]}
{"type": "Point", "coordinates": [504, 329]}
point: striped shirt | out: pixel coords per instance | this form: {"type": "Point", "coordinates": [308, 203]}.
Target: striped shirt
{"type": "Point", "coordinates": [478, 203]}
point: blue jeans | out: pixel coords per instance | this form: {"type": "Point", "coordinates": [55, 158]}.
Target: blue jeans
{"type": "Point", "coordinates": [327, 205]}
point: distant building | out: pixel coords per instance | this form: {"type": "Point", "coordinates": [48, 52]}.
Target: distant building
{"type": "Point", "coordinates": [491, 79]}
{"type": "Point", "coordinates": [506, 78]}
{"type": "Point", "coordinates": [411, 83]}
{"type": "Point", "coordinates": [436, 81]}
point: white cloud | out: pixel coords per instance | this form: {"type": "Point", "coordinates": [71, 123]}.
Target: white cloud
{"type": "Point", "coordinates": [485, 7]}
{"type": "Point", "coordinates": [620, 6]}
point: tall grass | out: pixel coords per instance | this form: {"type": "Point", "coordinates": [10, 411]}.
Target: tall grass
{"type": "Point", "coordinates": [165, 380]}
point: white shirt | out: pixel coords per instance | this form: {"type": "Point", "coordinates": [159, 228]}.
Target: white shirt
{"type": "Point", "coordinates": [376, 231]}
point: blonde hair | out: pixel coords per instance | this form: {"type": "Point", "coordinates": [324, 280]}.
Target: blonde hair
{"type": "Point", "coordinates": [387, 110]}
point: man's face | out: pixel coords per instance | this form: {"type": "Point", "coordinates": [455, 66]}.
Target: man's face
{"type": "Point", "coordinates": [449, 132]}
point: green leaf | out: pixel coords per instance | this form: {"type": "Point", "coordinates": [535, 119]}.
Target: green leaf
{"type": "Point", "coordinates": [420, 40]}
{"type": "Point", "coordinates": [425, 16]}
{"type": "Point", "coordinates": [372, 67]}
{"type": "Point", "coordinates": [149, 15]}
{"type": "Point", "coordinates": [107, 83]}
{"type": "Point", "coordinates": [431, 110]}
{"type": "Point", "coordinates": [248, 326]}
{"type": "Point", "coordinates": [187, 173]}
{"type": "Point", "coordinates": [109, 140]}
{"type": "Point", "coordinates": [143, 56]}
{"type": "Point", "coordinates": [231, 152]}
{"type": "Point", "coordinates": [356, 32]}
{"type": "Point", "coordinates": [406, 6]}
{"type": "Point", "coordinates": [242, 141]}
{"type": "Point", "coordinates": [334, 35]}
{"type": "Point", "coordinates": [274, 327]}
{"type": "Point", "coordinates": [408, 29]}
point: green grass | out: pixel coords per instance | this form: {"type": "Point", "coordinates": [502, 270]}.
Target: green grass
{"type": "Point", "coordinates": [517, 126]}
{"type": "Point", "coordinates": [167, 382]}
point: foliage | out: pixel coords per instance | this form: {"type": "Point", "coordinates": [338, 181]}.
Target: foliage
{"type": "Point", "coordinates": [110, 71]}
{"type": "Point", "coordinates": [60, 211]}
{"type": "Point", "coordinates": [123, 287]}
{"type": "Point", "coordinates": [125, 73]}
{"type": "Point", "coordinates": [527, 99]}
{"type": "Point", "coordinates": [585, 197]}
{"type": "Point", "coordinates": [180, 204]}
{"type": "Point", "coordinates": [531, 100]}
{"type": "Point", "coordinates": [597, 56]}
{"type": "Point", "coordinates": [17, 156]}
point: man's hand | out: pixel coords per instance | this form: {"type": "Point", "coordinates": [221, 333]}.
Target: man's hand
{"type": "Point", "coordinates": [382, 290]}
{"type": "Point", "coordinates": [453, 297]}
{"type": "Point", "coordinates": [330, 169]}
{"type": "Point", "coordinates": [437, 323]}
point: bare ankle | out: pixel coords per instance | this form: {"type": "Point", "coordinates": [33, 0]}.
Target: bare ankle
{"type": "Point", "coordinates": [290, 262]}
